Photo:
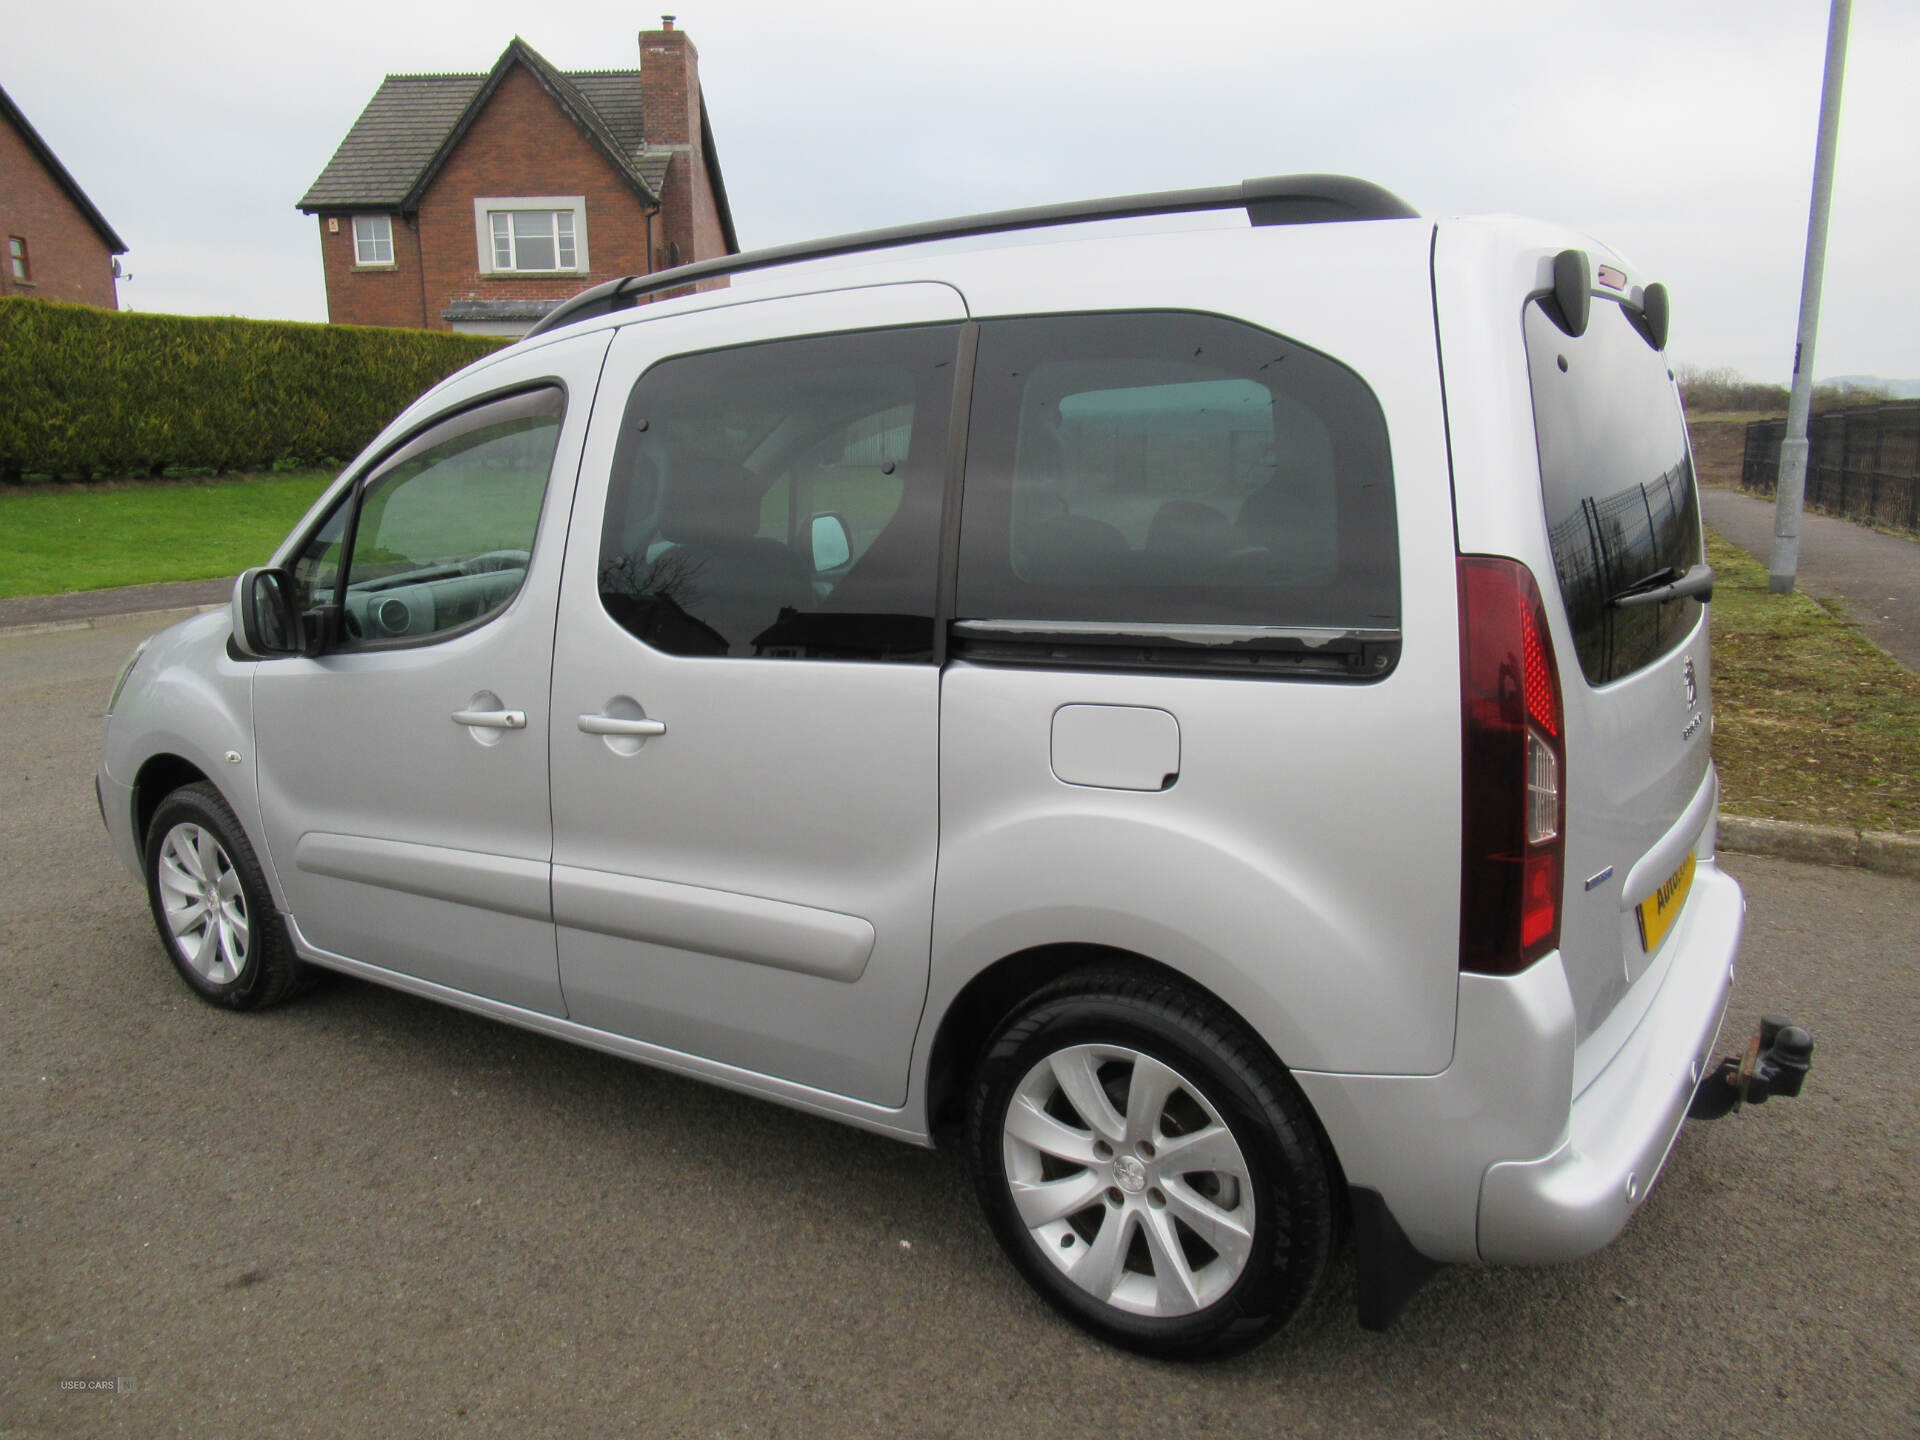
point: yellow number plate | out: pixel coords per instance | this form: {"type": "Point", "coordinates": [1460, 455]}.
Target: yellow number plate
{"type": "Point", "coordinates": [1658, 910]}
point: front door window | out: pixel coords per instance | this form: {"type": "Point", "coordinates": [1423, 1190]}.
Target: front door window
{"type": "Point", "coordinates": [445, 529]}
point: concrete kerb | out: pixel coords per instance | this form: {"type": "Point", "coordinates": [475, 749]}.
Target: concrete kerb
{"type": "Point", "coordinates": [1822, 844]}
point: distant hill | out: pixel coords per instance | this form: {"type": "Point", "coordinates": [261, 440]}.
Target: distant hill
{"type": "Point", "coordinates": [1898, 389]}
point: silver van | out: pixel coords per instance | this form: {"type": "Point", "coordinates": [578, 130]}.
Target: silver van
{"type": "Point", "coordinates": [1213, 721]}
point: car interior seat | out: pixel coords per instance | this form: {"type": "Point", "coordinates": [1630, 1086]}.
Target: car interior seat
{"type": "Point", "coordinates": [719, 569]}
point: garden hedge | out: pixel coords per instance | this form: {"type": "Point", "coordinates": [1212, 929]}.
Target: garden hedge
{"type": "Point", "coordinates": [87, 393]}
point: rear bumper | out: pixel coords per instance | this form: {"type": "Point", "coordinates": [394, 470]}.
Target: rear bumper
{"type": "Point", "coordinates": [1496, 1158]}
{"type": "Point", "coordinates": [1575, 1199]}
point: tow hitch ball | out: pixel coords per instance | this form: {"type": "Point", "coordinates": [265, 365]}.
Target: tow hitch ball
{"type": "Point", "coordinates": [1776, 1063]}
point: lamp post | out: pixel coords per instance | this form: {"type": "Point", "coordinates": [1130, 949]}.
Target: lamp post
{"type": "Point", "coordinates": [1790, 493]}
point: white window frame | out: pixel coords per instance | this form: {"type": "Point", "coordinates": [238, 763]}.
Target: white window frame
{"type": "Point", "coordinates": [378, 232]}
{"type": "Point", "coordinates": [485, 207]}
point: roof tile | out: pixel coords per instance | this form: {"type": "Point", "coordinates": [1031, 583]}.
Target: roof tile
{"type": "Point", "coordinates": [392, 141]}
{"type": "Point", "coordinates": [403, 127]}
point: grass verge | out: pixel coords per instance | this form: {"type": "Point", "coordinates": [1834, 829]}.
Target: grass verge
{"type": "Point", "coordinates": [88, 538]}
{"type": "Point", "coordinates": [1812, 721]}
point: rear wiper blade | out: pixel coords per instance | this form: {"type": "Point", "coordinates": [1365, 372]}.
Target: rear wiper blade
{"type": "Point", "coordinates": [1660, 586]}
{"type": "Point", "coordinates": [1647, 581]}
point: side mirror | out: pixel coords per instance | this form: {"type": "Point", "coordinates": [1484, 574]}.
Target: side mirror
{"type": "Point", "coordinates": [266, 625]}
{"type": "Point", "coordinates": [832, 546]}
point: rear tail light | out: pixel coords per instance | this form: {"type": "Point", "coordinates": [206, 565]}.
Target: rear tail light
{"type": "Point", "coordinates": [1514, 769]}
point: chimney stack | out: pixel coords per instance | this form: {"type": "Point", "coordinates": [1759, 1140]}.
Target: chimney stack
{"type": "Point", "coordinates": [670, 121]}
{"type": "Point", "coordinates": [669, 87]}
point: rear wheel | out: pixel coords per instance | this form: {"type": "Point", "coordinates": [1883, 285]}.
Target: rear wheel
{"type": "Point", "coordinates": [1149, 1168]}
{"type": "Point", "coordinates": [212, 907]}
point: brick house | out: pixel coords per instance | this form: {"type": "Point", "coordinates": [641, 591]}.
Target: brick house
{"type": "Point", "coordinates": [479, 202]}
{"type": "Point", "coordinates": [59, 246]}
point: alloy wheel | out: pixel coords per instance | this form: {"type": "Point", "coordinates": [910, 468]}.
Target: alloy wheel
{"type": "Point", "coordinates": [203, 903]}
{"type": "Point", "coordinates": [1128, 1180]}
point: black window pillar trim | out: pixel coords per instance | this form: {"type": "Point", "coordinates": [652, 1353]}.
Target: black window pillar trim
{"type": "Point", "coordinates": [959, 421]}
{"type": "Point", "coordinates": [332, 618]}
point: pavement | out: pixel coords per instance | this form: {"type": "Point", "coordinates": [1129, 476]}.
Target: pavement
{"type": "Point", "coordinates": [84, 609]}
{"type": "Point", "coordinates": [1875, 577]}
{"type": "Point", "coordinates": [364, 1214]}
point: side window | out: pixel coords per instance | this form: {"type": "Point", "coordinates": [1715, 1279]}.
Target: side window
{"type": "Point", "coordinates": [783, 500]}
{"type": "Point", "coordinates": [1169, 469]}
{"type": "Point", "coordinates": [445, 528]}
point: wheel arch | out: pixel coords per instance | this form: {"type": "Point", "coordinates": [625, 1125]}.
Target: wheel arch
{"type": "Point", "coordinates": [1001, 988]}
{"type": "Point", "coordinates": [159, 776]}
{"type": "Point", "coordinates": [166, 770]}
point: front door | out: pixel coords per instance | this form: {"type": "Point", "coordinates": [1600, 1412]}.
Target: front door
{"type": "Point", "coordinates": [403, 774]}
{"type": "Point", "coordinates": [745, 734]}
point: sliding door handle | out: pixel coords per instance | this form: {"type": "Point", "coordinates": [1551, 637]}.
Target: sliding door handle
{"type": "Point", "coordinates": [615, 725]}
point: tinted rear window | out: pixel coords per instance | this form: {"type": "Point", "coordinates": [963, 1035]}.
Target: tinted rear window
{"type": "Point", "coordinates": [1173, 469]}
{"type": "Point", "coordinates": [1618, 485]}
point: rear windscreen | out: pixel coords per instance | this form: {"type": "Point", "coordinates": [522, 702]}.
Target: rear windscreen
{"type": "Point", "coordinates": [1618, 485]}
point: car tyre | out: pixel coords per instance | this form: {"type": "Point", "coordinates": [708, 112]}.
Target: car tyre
{"type": "Point", "coordinates": [212, 906]}
{"type": "Point", "coordinates": [1149, 1167]}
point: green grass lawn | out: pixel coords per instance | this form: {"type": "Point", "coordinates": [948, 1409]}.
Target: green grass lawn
{"type": "Point", "coordinates": [54, 540]}
{"type": "Point", "coordinates": [1812, 722]}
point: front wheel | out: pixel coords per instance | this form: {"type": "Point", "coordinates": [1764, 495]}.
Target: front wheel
{"type": "Point", "coordinates": [1149, 1168]}
{"type": "Point", "coordinates": [212, 906]}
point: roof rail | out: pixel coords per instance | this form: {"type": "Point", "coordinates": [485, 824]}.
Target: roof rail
{"type": "Point", "coordinates": [1275, 200]}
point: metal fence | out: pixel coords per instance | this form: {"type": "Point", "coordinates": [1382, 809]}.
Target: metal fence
{"type": "Point", "coordinates": [1864, 464]}
{"type": "Point", "coordinates": [1610, 543]}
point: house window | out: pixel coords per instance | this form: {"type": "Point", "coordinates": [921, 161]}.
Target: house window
{"type": "Point", "coordinates": [17, 257]}
{"type": "Point", "coordinates": [542, 234]}
{"type": "Point", "coordinates": [373, 240]}
{"type": "Point", "coordinates": [532, 239]}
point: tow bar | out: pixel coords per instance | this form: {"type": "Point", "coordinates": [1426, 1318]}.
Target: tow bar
{"type": "Point", "coordinates": [1776, 1063]}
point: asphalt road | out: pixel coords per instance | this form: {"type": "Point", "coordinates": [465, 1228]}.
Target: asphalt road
{"type": "Point", "coordinates": [363, 1214]}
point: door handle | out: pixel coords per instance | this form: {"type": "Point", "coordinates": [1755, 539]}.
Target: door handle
{"type": "Point", "coordinates": [614, 725]}
{"type": "Point", "coordinates": [492, 719]}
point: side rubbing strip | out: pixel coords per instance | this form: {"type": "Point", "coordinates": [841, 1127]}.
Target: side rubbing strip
{"type": "Point", "coordinates": [466, 877]}
{"type": "Point", "coordinates": [714, 922]}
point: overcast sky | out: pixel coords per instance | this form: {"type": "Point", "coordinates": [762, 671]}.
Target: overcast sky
{"type": "Point", "coordinates": [1680, 132]}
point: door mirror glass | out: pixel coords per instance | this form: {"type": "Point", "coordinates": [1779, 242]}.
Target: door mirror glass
{"type": "Point", "coordinates": [266, 622]}
{"type": "Point", "coordinates": [832, 546]}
